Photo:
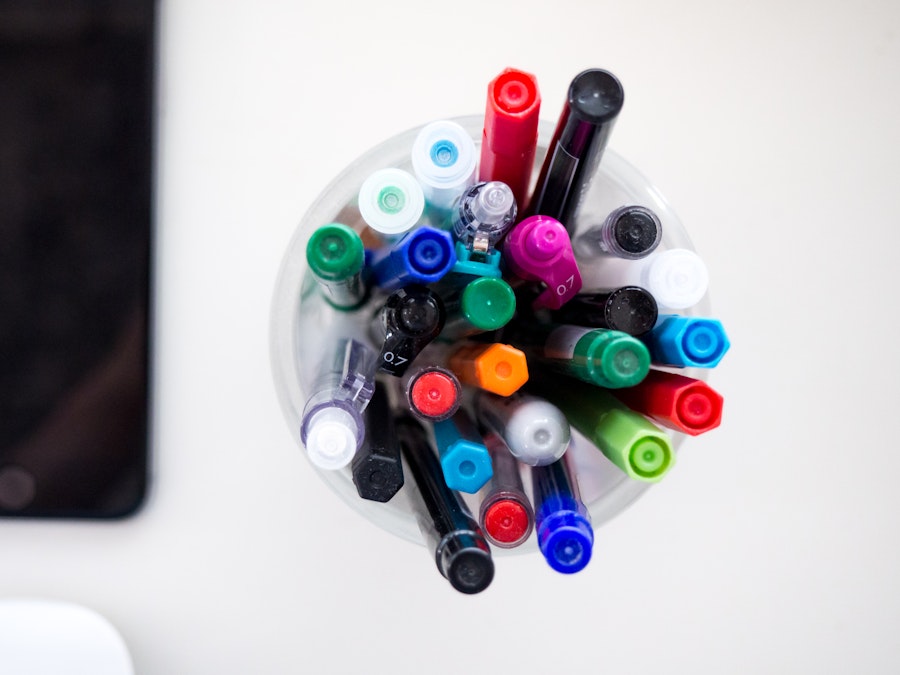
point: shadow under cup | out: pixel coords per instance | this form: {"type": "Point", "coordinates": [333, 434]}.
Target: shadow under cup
{"type": "Point", "coordinates": [300, 318]}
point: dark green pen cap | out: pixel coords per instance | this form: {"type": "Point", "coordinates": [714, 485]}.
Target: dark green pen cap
{"type": "Point", "coordinates": [335, 252]}
{"type": "Point", "coordinates": [611, 358]}
{"type": "Point", "coordinates": [488, 303]}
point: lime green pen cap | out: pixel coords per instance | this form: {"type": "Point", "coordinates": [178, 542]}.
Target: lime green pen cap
{"type": "Point", "coordinates": [488, 303]}
{"type": "Point", "coordinates": [610, 358]}
{"type": "Point", "coordinates": [628, 439]}
{"type": "Point", "coordinates": [335, 252]}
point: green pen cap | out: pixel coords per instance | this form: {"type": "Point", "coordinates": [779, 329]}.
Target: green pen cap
{"type": "Point", "coordinates": [488, 303]}
{"type": "Point", "coordinates": [335, 252]}
{"type": "Point", "coordinates": [610, 358]}
{"type": "Point", "coordinates": [628, 439]}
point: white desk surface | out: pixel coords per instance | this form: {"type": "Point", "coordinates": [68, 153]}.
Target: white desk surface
{"type": "Point", "coordinates": [773, 128]}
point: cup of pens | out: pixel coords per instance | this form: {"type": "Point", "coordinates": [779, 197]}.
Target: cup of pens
{"type": "Point", "coordinates": [491, 334]}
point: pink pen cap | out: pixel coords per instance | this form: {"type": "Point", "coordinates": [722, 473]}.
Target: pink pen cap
{"type": "Point", "coordinates": [539, 249]}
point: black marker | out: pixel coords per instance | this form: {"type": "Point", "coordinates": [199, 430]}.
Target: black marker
{"type": "Point", "coordinates": [629, 309]}
{"type": "Point", "coordinates": [594, 101]}
{"type": "Point", "coordinates": [460, 550]}
{"type": "Point", "coordinates": [377, 470]}
{"type": "Point", "coordinates": [410, 318]}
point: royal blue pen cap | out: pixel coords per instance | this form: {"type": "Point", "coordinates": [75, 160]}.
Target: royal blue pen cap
{"type": "Point", "coordinates": [564, 532]}
{"type": "Point", "coordinates": [687, 341]}
{"type": "Point", "coordinates": [422, 256]}
{"type": "Point", "coordinates": [465, 462]}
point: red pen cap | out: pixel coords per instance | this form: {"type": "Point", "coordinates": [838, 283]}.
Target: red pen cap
{"type": "Point", "coordinates": [675, 401]}
{"type": "Point", "coordinates": [510, 131]}
{"type": "Point", "coordinates": [507, 522]}
{"type": "Point", "coordinates": [434, 394]}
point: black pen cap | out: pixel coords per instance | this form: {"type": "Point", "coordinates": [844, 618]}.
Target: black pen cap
{"type": "Point", "coordinates": [596, 96]}
{"type": "Point", "coordinates": [376, 469]}
{"type": "Point", "coordinates": [630, 309]}
{"type": "Point", "coordinates": [465, 560]}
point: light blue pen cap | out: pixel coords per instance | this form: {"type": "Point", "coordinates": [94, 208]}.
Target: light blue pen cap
{"type": "Point", "coordinates": [466, 464]}
{"type": "Point", "coordinates": [687, 341]}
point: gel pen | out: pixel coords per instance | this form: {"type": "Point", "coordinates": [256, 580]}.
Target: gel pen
{"type": "Point", "coordinates": [505, 515]}
{"type": "Point", "coordinates": [687, 341]}
{"type": "Point", "coordinates": [391, 201]}
{"type": "Point", "coordinates": [631, 232]}
{"type": "Point", "coordinates": [422, 256]}
{"type": "Point", "coordinates": [535, 430]}
{"type": "Point", "coordinates": [485, 304]}
{"type": "Point", "coordinates": [443, 160]}
{"type": "Point", "coordinates": [465, 461]}
{"type": "Point", "coordinates": [432, 393]}
{"type": "Point", "coordinates": [629, 309]}
{"type": "Point", "coordinates": [336, 259]}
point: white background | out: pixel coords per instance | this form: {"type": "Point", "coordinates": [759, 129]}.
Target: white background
{"type": "Point", "coordinates": [773, 129]}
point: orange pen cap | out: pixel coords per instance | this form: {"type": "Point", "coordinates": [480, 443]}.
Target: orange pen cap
{"type": "Point", "coordinates": [497, 368]}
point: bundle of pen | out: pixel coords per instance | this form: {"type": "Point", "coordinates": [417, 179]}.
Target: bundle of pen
{"type": "Point", "coordinates": [478, 321]}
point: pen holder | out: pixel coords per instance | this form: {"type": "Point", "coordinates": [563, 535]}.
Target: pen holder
{"type": "Point", "coordinates": [300, 318]}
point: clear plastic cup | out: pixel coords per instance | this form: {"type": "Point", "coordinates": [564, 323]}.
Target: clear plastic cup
{"type": "Point", "coordinates": [299, 319]}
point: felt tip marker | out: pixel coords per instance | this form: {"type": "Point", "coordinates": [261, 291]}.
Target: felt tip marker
{"type": "Point", "coordinates": [422, 256]}
{"type": "Point", "coordinates": [687, 341]}
{"type": "Point", "coordinates": [377, 470]}
{"type": "Point", "coordinates": [676, 278]}
{"type": "Point", "coordinates": [465, 462]}
{"type": "Point", "coordinates": [629, 309]}
{"type": "Point", "coordinates": [539, 249]}
{"type": "Point", "coordinates": [332, 426]}
{"type": "Point", "coordinates": [594, 100]}
{"type": "Point", "coordinates": [675, 401]}
{"type": "Point", "coordinates": [602, 357]}
{"type": "Point", "coordinates": [460, 550]}
{"type": "Point", "coordinates": [484, 305]}
{"type": "Point", "coordinates": [564, 532]}
{"type": "Point", "coordinates": [391, 201]}
{"type": "Point", "coordinates": [627, 438]}
{"type": "Point", "coordinates": [535, 430]}
{"type": "Point", "coordinates": [410, 318]}
{"type": "Point", "coordinates": [485, 213]}
{"type": "Point", "coordinates": [433, 393]}
{"type": "Point", "coordinates": [443, 160]}
{"type": "Point", "coordinates": [505, 515]}
{"type": "Point", "coordinates": [630, 232]}
{"type": "Point", "coordinates": [510, 134]}
{"type": "Point", "coordinates": [494, 367]}
{"type": "Point", "coordinates": [336, 258]}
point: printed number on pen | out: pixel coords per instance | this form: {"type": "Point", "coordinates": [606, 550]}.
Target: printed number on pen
{"type": "Point", "coordinates": [396, 359]}
{"type": "Point", "coordinates": [562, 288]}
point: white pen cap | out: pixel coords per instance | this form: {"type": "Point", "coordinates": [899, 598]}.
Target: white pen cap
{"type": "Point", "coordinates": [391, 201]}
{"type": "Point", "coordinates": [443, 159]}
{"type": "Point", "coordinates": [677, 278]}
{"type": "Point", "coordinates": [535, 430]}
{"type": "Point", "coordinates": [332, 438]}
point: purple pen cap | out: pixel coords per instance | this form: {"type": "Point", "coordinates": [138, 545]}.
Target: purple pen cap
{"type": "Point", "coordinates": [299, 317]}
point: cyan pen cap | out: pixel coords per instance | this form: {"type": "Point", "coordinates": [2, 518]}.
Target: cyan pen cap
{"type": "Point", "coordinates": [465, 462]}
{"type": "Point", "coordinates": [687, 341]}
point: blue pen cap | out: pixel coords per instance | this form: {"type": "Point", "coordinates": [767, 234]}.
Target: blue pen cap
{"type": "Point", "coordinates": [466, 463]}
{"type": "Point", "coordinates": [687, 341]}
{"type": "Point", "coordinates": [422, 256]}
{"type": "Point", "coordinates": [565, 537]}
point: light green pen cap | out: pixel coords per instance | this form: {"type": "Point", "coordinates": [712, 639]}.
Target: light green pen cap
{"type": "Point", "coordinates": [335, 252]}
{"type": "Point", "coordinates": [610, 358]}
{"type": "Point", "coordinates": [488, 303]}
{"type": "Point", "coordinates": [628, 439]}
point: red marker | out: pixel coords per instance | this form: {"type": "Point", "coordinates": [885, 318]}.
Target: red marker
{"type": "Point", "coordinates": [510, 131]}
{"type": "Point", "coordinates": [433, 393]}
{"type": "Point", "coordinates": [506, 514]}
{"type": "Point", "coordinates": [675, 401]}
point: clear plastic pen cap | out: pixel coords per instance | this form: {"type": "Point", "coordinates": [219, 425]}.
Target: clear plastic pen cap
{"type": "Point", "coordinates": [391, 201]}
{"type": "Point", "coordinates": [332, 438]}
{"type": "Point", "coordinates": [443, 159]}
{"type": "Point", "coordinates": [486, 212]}
{"type": "Point", "coordinates": [676, 278]}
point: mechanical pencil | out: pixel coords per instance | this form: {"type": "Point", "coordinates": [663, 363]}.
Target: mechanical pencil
{"type": "Point", "coordinates": [498, 368]}
{"type": "Point", "coordinates": [465, 462]}
{"type": "Point", "coordinates": [602, 357]}
{"type": "Point", "coordinates": [391, 201]}
{"type": "Point", "coordinates": [539, 249]}
{"type": "Point", "coordinates": [461, 553]}
{"type": "Point", "coordinates": [629, 309]}
{"type": "Point", "coordinates": [485, 212]}
{"type": "Point", "coordinates": [676, 278]}
{"type": "Point", "coordinates": [594, 100]}
{"type": "Point", "coordinates": [505, 515]}
{"type": "Point", "coordinates": [332, 427]}
{"type": "Point", "coordinates": [630, 232]}
{"type": "Point", "coordinates": [377, 470]}
{"type": "Point", "coordinates": [510, 134]}
{"type": "Point", "coordinates": [433, 393]}
{"type": "Point", "coordinates": [675, 401]}
{"type": "Point", "coordinates": [628, 439]}
{"type": "Point", "coordinates": [534, 429]}
{"type": "Point", "coordinates": [564, 532]}
{"type": "Point", "coordinates": [410, 318]}
{"type": "Point", "coordinates": [443, 160]}
{"type": "Point", "coordinates": [422, 256]}
{"type": "Point", "coordinates": [336, 259]}
{"type": "Point", "coordinates": [484, 305]}
{"type": "Point", "coordinates": [687, 341]}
